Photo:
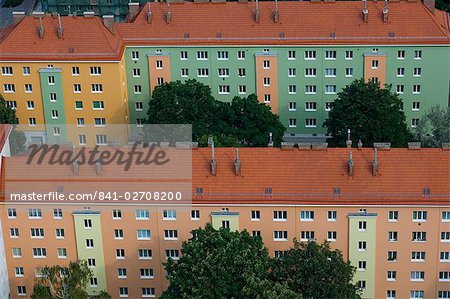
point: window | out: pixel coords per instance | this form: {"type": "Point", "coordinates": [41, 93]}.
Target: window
{"type": "Point", "coordinates": [310, 55]}
{"type": "Point", "coordinates": [11, 104]}
{"type": "Point", "coordinates": [241, 55]}
{"type": "Point", "coordinates": [310, 89]}
{"type": "Point", "coordinates": [444, 276]}
{"type": "Point", "coordinates": [121, 273]}
{"type": "Point", "coordinates": [310, 123]}
{"type": "Point", "coordinates": [255, 215]}
{"type": "Point", "coordinates": [242, 89]}
{"type": "Point", "coordinates": [21, 290]}
{"type": "Point", "coordinates": [101, 139]}
{"type": "Point", "coordinates": [310, 106]}
{"type": "Point", "coordinates": [417, 72]}
{"type": "Point", "coordinates": [80, 122]}
{"type": "Point", "coordinates": [361, 284]}
{"type": "Point", "coordinates": [118, 234]}
{"type": "Point", "coordinates": [331, 236]}
{"type": "Point", "coordinates": [170, 214]}
{"type": "Point", "coordinates": [138, 89]}
{"type": "Point", "coordinates": [241, 72]}
{"type": "Point", "coordinates": [292, 106]}
{"type": "Point", "coordinates": [279, 215]}
{"type": "Point", "coordinates": [292, 89]}
{"type": "Point", "coordinates": [12, 213]}
{"type": "Point", "coordinates": [280, 235]}
{"type": "Point", "coordinates": [34, 213]}
{"type": "Point", "coordinates": [391, 275]}
{"type": "Point", "coordinates": [75, 71]}
{"type": "Point", "coordinates": [96, 88]}
{"type": "Point", "coordinates": [91, 262]}
{"type": "Point", "coordinates": [291, 55]}
{"type": "Point", "coordinates": [414, 122]}
{"type": "Point", "coordinates": [32, 121]}
{"type": "Point", "coordinates": [28, 88]}
{"type": "Point", "coordinates": [416, 294]}
{"type": "Point", "coordinates": [419, 216]}
{"type": "Point", "coordinates": [292, 123]}
{"type": "Point", "coordinates": [148, 292]}
{"type": "Point", "coordinates": [77, 88]}
{"type": "Point", "coordinates": [401, 54]}
{"type": "Point", "coordinates": [202, 72]}
{"type": "Point", "coordinates": [146, 273]}
{"type": "Point", "coordinates": [202, 55]}
{"type": "Point", "coordinates": [19, 272]}
{"type": "Point", "coordinates": [310, 72]}
{"type": "Point", "coordinates": [266, 64]}
{"type": "Point", "coordinates": [327, 106]}
{"type": "Point", "coordinates": [445, 236]}
{"type": "Point", "coordinates": [418, 54]}
{"type": "Point", "coordinates": [392, 256]}
{"type": "Point", "coordinates": [330, 72]}
{"type": "Point", "coordinates": [348, 55]}
{"type": "Point", "coordinates": [443, 294]}
{"type": "Point", "coordinates": [330, 54]}
{"type": "Point", "coordinates": [400, 89]}
{"type": "Point", "coordinates": [444, 256]}
{"type": "Point", "coordinates": [224, 89]}
{"type": "Point", "coordinates": [266, 81]}
{"type": "Point", "coordinates": [89, 243]}
{"type": "Point", "coordinates": [362, 265]}
{"type": "Point", "coordinates": [223, 72]}
{"type": "Point", "coordinates": [362, 225]}
{"type": "Point", "coordinates": [51, 80]}
{"type": "Point", "coordinates": [330, 89]}
{"type": "Point", "coordinates": [390, 294]}
{"type": "Point", "coordinates": [292, 72]}
{"type": "Point", "coordinates": [375, 64]}
{"type": "Point", "coordinates": [417, 275]}
{"type": "Point", "coordinates": [136, 72]}
{"type": "Point", "coordinates": [417, 256]}
{"type": "Point", "coordinates": [14, 232]}
{"type": "Point", "coordinates": [16, 252]}
{"type": "Point", "coordinates": [39, 252]}
{"type": "Point", "coordinates": [9, 88]}
{"type": "Point", "coordinates": [225, 224]}
{"type": "Point", "coordinates": [123, 291]}
{"type": "Point", "coordinates": [222, 55]}
{"type": "Point", "coordinates": [30, 105]}
{"type": "Point", "coordinates": [307, 235]}
{"type": "Point", "coordinates": [54, 114]}
{"type": "Point", "coordinates": [173, 254]}
{"type": "Point", "coordinates": [267, 98]}
{"type": "Point", "coordinates": [416, 89]}
{"type": "Point", "coordinates": [195, 214]}
{"type": "Point", "coordinates": [87, 223]}
{"type": "Point", "coordinates": [400, 72]}
{"type": "Point", "coordinates": [170, 234]}
{"type": "Point", "coordinates": [332, 216]}
{"type": "Point", "coordinates": [184, 73]}
{"type": "Point", "coordinates": [183, 55]}
{"type": "Point", "coordinates": [393, 216]}
{"type": "Point", "coordinates": [99, 122]}
{"type": "Point", "coordinates": [95, 70]}
{"type": "Point", "coordinates": [142, 214]}
{"type": "Point", "coordinates": [307, 216]}
{"type": "Point", "coordinates": [98, 105]}
{"type": "Point", "coordinates": [78, 105]}
{"type": "Point", "coordinates": [37, 232]}
{"type": "Point", "coordinates": [82, 139]}
{"type": "Point", "coordinates": [159, 64]}
{"type": "Point", "coordinates": [134, 55]}
{"type": "Point", "coordinates": [143, 234]}
{"type": "Point", "coordinates": [62, 253]}
{"type": "Point", "coordinates": [362, 245]}
{"type": "Point", "coordinates": [392, 236]}
{"type": "Point", "coordinates": [120, 253]}
{"type": "Point", "coordinates": [256, 233]}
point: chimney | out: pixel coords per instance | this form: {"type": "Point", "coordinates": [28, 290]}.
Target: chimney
{"type": "Point", "coordinates": [108, 21]}
{"type": "Point", "coordinates": [375, 163]}
{"type": "Point", "coordinates": [351, 164]}
{"type": "Point", "coordinates": [213, 160]}
{"type": "Point", "coordinates": [276, 14]}
{"type": "Point", "coordinates": [75, 162]}
{"type": "Point", "coordinates": [270, 140]}
{"type": "Point", "coordinates": [133, 10]}
{"type": "Point", "coordinates": [149, 14]}
{"type": "Point", "coordinates": [257, 17]}
{"type": "Point", "coordinates": [365, 12]}
{"type": "Point", "coordinates": [168, 13]}
{"type": "Point", "coordinates": [430, 4]}
{"type": "Point", "coordinates": [349, 141]}
{"type": "Point", "coordinates": [98, 166]}
{"type": "Point", "coordinates": [385, 11]}
{"type": "Point", "coordinates": [17, 17]}
{"type": "Point", "coordinates": [60, 28]}
{"type": "Point", "coordinates": [41, 29]}
{"type": "Point", "coordinates": [237, 164]}
{"type": "Point", "coordinates": [88, 14]}
{"type": "Point", "coordinates": [360, 145]}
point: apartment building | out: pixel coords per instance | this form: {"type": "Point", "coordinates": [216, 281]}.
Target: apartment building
{"type": "Point", "coordinates": [391, 218]}
{"type": "Point", "coordinates": [296, 60]}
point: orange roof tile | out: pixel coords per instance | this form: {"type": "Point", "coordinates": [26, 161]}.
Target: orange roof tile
{"type": "Point", "coordinates": [295, 176]}
{"type": "Point", "coordinates": [301, 23]}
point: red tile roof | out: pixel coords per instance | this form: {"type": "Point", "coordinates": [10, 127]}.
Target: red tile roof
{"type": "Point", "coordinates": [296, 177]}
{"type": "Point", "coordinates": [302, 23]}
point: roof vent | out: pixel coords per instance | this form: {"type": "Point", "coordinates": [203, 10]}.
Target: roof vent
{"type": "Point", "coordinates": [219, 35]}
{"type": "Point", "coordinates": [426, 192]}
{"type": "Point", "coordinates": [237, 163]}
{"type": "Point", "coordinates": [199, 191]}
{"type": "Point", "coordinates": [414, 145]}
{"type": "Point", "coordinates": [276, 14]}
{"type": "Point", "coordinates": [149, 14]}
{"type": "Point", "coordinates": [268, 191]}
{"type": "Point", "coordinates": [333, 34]}
{"type": "Point", "coordinates": [257, 16]}
{"type": "Point", "coordinates": [270, 144]}
{"type": "Point", "coordinates": [351, 164]}
{"type": "Point", "coordinates": [41, 29]}
{"type": "Point", "coordinates": [213, 163]}
{"type": "Point", "coordinates": [71, 50]}
{"type": "Point", "coordinates": [282, 35]}
{"type": "Point", "coordinates": [186, 35]}
{"type": "Point", "coordinates": [365, 12]}
{"type": "Point", "coordinates": [385, 11]}
{"type": "Point", "coordinates": [337, 191]}
{"type": "Point", "coordinates": [391, 34]}
{"type": "Point", "coordinates": [375, 163]}
{"type": "Point", "coordinates": [168, 13]}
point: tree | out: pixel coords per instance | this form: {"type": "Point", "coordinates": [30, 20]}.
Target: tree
{"type": "Point", "coordinates": [59, 282]}
{"type": "Point", "coordinates": [434, 127]}
{"type": "Point", "coordinates": [315, 271]}
{"type": "Point", "coordinates": [223, 264]}
{"type": "Point", "coordinates": [373, 114]}
{"type": "Point", "coordinates": [17, 138]}
{"type": "Point", "coordinates": [243, 121]}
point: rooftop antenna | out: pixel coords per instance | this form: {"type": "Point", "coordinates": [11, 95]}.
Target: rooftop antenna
{"type": "Point", "coordinates": [351, 164]}
{"type": "Point", "coordinates": [276, 15]}
{"type": "Point", "coordinates": [385, 11]}
{"type": "Point", "coordinates": [365, 12]}
{"type": "Point", "coordinates": [237, 163]}
{"type": "Point", "coordinates": [168, 14]}
{"type": "Point", "coordinates": [375, 163]}
{"type": "Point", "coordinates": [69, 9]}
{"type": "Point", "coordinates": [149, 13]}
{"type": "Point", "coordinates": [213, 160]}
{"type": "Point", "coordinates": [349, 141]}
{"type": "Point", "coordinates": [41, 28]}
{"type": "Point", "coordinates": [60, 28]}
{"type": "Point", "coordinates": [257, 17]}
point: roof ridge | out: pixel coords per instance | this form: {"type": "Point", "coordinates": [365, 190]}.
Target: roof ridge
{"type": "Point", "coordinates": [433, 18]}
{"type": "Point", "coordinates": [102, 29]}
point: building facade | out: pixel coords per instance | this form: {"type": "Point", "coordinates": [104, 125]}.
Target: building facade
{"type": "Point", "coordinates": [297, 68]}
{"type": "Point", "coordinates": [392, 223]}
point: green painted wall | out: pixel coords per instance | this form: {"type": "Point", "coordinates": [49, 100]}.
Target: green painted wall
{"type": "Point", "coordinates": [369, 236]}
{"type": "Point", "coordinates": [95, 233]}
{"type": "Point", "coordinates": [58, 105]}
{"type": "Point", "coordinates": [218, 217]}
{"type": "Point", "coordinates": [435, 64]}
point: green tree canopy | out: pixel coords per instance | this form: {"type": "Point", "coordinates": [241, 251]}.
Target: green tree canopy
{"type": "Point", "coordinates": [7, 115]}
{"type": "Point", "coordinates": [315, 271]}
{"type": "Point", "coordinates": [434, 127]}
{"type": "Point", "coordinates": [17, 138]}
{"type": "Point", "coordinates": [373, 114]}
{"type": "Point", "coordinates": [223, 264]}
{"type": "Point", "coordinates": [243, 121]}
{"type": "Point", "coordinates": [59, 282]}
